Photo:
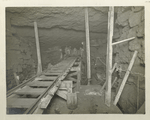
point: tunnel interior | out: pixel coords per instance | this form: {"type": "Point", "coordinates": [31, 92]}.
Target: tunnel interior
{"type": "Point", "coordinates": [61, 27]}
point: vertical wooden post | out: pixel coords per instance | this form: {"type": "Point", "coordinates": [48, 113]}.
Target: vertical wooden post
{"type": "Point", "coordinates": [87, 46]}
{"type": "Point", "coordinates": [138, 93]}
{"type": "Point", "coordinates": [78, 76]}
{"type": "Point", "coordinates": [109, 56]}
{"type": "Point", "coordinates": [39, 68]}
{"type": "Point", "coordinates": [16, 78]}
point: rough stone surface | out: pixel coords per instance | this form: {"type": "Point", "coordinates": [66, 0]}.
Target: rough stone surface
{"type": "Point", "coordinates": [140, 30]}
{"type": "Point", "coordinates": [122, 19]}
{"type": "Point", "coordinates": [128, 99]}
{"type": "Point", "coordinates": [124, 52]}
{"type": "Point", "coordinates": [135, 18]}
{"type": "Point", "coordinates": [67, 18]}
{"type": "Point", "coordinates": [136, 9]}
{"type": "Point", "coordinates": [135, 44]}
{"type": "Point", "coordinates": [116, 34]}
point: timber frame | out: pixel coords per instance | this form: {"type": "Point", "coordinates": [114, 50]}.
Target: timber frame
{"type": "Point", "coordinates": [109, 70]}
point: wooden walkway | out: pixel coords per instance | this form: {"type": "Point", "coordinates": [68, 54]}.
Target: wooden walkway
{"type": "Point", "coordinates": [37, 93]}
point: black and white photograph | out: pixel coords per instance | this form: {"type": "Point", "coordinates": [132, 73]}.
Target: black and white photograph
{"type": "Point", "coordinates": [75, 60]}
{"type": "Point", "coordinates": [79, 60]}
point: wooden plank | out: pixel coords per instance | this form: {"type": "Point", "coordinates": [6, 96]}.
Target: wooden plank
{"type": "Point", "coordinates": [20, 102]}
{"type": "Point", "coordinates": [125, 78]}
{"type": "Point", "coordinates": [50, 71]}
{"type": "Point", "coordinates": [39, 69]}
{"type": "Point", "coordinates": [72, 79]}
{"type": "Point", "coordinates": [101, 90]}
{"type": "Point", "coordinates": [51, 90]}
{"type": "Point", "coordinates": [74, 69]}
{"type": "Point", "coordinates": [72, 74]}
{"type": "Point", "coordinates": [62, 94]}
{"type": "Point", "coordinates": [114, 67]}
{"type": "Point", "coordinates": [16, 78]}
{"type": "Point", "coordinates": [123, 41]}
{"type": "Point", "coordinates": [79, 77]}
{"type": "Point", "coordinates": [114, 81]}
{"type": "Point", "coordinates": [40, 83]}
{"type": "Point", "coordinates": [87, 46]}
{"type": "Point", "coordinates": [45, 78]}
{"type": "Point", "coordinates": [38, 111]}
{"type": "Point", "coordinates": [46, 100]}
{"type": "Point", "coordinates": [138, 91]}
{"type": "Point", "coordinates": [66, 84]}
{"type": "Point", "coordinates": [56, 70]}
{"type": "Point", "coordinates": [47, 73]}
{"type": "Point", "coordinates": [30, 91]}
{"type": "Point", "coordinates": [104, 85]}
{"type": "Point", "coordinates": [109, 56]}
{"type": "Point", "coordinates": [37, 91]}
{"type": "Point", "coordinates": [48, 77]}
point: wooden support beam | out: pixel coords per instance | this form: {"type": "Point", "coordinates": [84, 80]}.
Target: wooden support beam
{"type": "Point", "coordinates": [62, 94]}
{"type": "Point", "coordinates": [114, 67]}
{"type": "Point", "coordinates": [125, 78]}
{"type": "Point", "coordinates": [16, 78]}
{"type": "Point", "coordinates": [138, 93]}
{"type": "Point", "coordinates": [109, 56]}
{"type": "Point", "coordinates": [102, 89]}
{"type": "Point", "coordinates": [104, 85]}
{"type": "Point", "coordinates": [87, 46]}
{"type": "Point", "coordinates": [114, 81]}
{"type": "Point", "coordinates": [79, 76]}
{"type": "Point", "coordinates": [123, 41]}
{"type": "Point", "coordinates": [39, 67]}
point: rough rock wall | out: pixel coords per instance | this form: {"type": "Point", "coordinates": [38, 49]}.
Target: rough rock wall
{"type": "Point", "coordinates": [19, 57]}
{"type": "Point", "coordinates": [130, 23]}
{"type": "Point", "coordinates": [57, 27]}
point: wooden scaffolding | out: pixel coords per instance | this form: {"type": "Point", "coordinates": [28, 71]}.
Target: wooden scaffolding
{"type": "Point", "coordinates": [109, 69]}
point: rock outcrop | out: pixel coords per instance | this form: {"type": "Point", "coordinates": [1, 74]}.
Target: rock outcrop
{"type": "Point", "coordinates": [130, 23]}
{"type": "Point", "coordinates": [57, 26]}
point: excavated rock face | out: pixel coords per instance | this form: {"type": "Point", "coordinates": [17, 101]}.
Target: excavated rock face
{"type": "Point", "coordinates": [130, 23]}
{"type": "Point", "coordinates": [58, 27]}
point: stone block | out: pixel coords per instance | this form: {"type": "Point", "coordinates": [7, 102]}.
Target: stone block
{"type": "Point", "coordinates": [143, 15]}
{"type": "Point", "coordinates": [123, 18]}
{"type": "Point", "coordinates": [135, 44]}
{"type": "Point", "coordinates": [126, 29]}
{"type": "Point", "coordinates": [135, 18]}
{"type": "Point", "coordinates": [140, 30]}
{"type": "Point", "coordinates": [137, 8]}
{"type": "Point", "coordinates": [141, 56]}
{"type": "Point", "coordinates": [132, 32]}
{"type": "Point", "coordinates": [123, 36]}
{"type": "Point", "coordinates": [116, 34]}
